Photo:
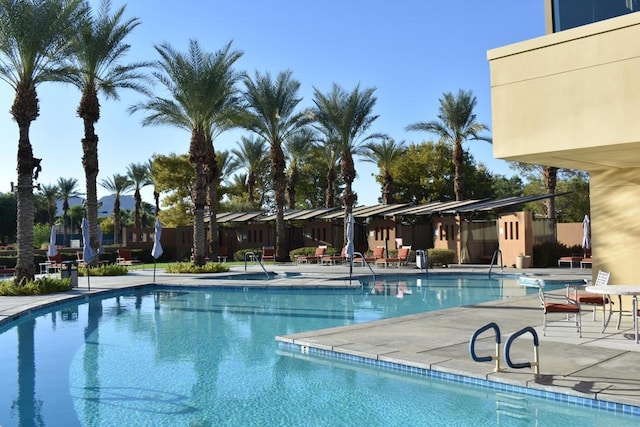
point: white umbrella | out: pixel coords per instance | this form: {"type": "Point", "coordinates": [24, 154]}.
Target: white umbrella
{"type": "Point", "coordinates": [156, 251]}
{"type": "Point", "coordinates": [88, 254]}
{"type": "Point", "coordinates": [52, 251]}
{"type": "Point", "coordinates": [349, 248]}
{"type": "Point", "coordinates": [586, 233]}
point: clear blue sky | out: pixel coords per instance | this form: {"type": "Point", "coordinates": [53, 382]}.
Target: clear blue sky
{"type": "Point", "coordinates": [410, 50]}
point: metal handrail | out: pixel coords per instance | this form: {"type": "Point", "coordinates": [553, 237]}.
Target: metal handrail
{"type": "Point", "coordinates": [364, 261]}
{"type": "Point", "coordinates": [255, 258]}
{"type": "Point", "coordinates": [494, 258]}
{"type": "Point", "coordinates": [536, 361]}
{"type": "Point", "coordinates": [472, 346]}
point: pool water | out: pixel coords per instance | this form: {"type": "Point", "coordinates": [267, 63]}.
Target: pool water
{"type": "Point", "coordinates": [188, 357]}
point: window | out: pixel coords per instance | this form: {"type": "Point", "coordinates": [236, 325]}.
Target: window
{"type": "Point", "coordinates": [574, 13]}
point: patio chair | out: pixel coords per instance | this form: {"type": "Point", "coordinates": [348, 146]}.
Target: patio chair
{"type": "Point", "coordinates": [562, 304]}
{"type": "Point", "coordinates": [268, 253]}
{"type": "Point", "coordinates": [401, 259]}
{"type": "Point", "coordinates": [333, 259]}
{"type": "Point", "coordinates": [54, 262]}
{"type": "Point", "coordinates": [378, 252]}
{"type": "Point", "coordinates": [571, 260]}
{"type": "Point", "coordinates": [306, 259]}
{"type": "Point", "coordinates": [125, 258]}
{"type": "Point", "coordinates": [597, 300]}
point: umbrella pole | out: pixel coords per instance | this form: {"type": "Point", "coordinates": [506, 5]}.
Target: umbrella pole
{"type": "Point", "coordinates": [154, 270]}
{"type": "Point", "coordinates": [88, 277]}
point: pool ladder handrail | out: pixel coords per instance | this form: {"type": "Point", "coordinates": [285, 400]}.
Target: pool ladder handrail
{"type": "Point", "coordinates": [472, 345]}
{"type": "Point", "coordinates": [255, 258]}
{"type": "Point", "coordinates": [364, 262]}
{"type": "Point", "coordinates": [507, 358]}
{"type": "Point", "coordinates": [494, 258]}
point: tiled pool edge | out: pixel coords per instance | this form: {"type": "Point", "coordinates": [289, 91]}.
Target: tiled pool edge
{"type": "Point", "coordinates": [616, 407]}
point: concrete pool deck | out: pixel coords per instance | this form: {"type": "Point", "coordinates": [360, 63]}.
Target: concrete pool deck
{"type": "Point", "coordinates": [601, 366]}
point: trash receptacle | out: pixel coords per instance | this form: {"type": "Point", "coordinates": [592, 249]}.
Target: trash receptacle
{"type": "Point", "coordinates": [421, 258]}
{"type": "Point", "coordinates": [70, 270]}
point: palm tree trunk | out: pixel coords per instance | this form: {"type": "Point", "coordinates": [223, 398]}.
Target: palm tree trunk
{"type": "Point", "coordinates": [291, 188]}
{"type": "Point", "coordinates": [458, 180]}
{"type": "Point", "coordinates": [213, 224]}
{"type": "Point", "coordinates": [199, 201]}
{"type": "Point", "coordinates": [280, 186]}
{"type": "Point", "coordinates": [116, 220]}
{"type": "Point", "coordinates": [329, 194]}
{"type": "Point", "coordinates": [89, 111]}
{"type": "Point", "coordinates": [387, 195]}
{"type": "Point", "coordinates": [138, 208]}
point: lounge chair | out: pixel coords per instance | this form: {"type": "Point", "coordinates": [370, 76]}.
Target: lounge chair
{"type": "Point", "coordinates": [586, 261]}
{"type": "Point", "coordinates": [571, 260]}
{"type": "Point", "coordinates": [268, 253]}
{"type": "Point", "coordinates": [125, 258]}
{"type": "Point", "coordinates": [80, 259]}
{"type": "Point", "coordinates": [54, 263]}
{"type": "Point", "coordinates": [598, 300]}
{"type": "Point", "coordinates": [333, 259]}
{"type": "Point", "coordinates": [306, 259]}
{"type": "Point", "coordinates": [222, 254]}
{"type": "Point", "coordinates": [562, 304]}
{"type": "Point", "coordinates": [401, 259]}
{"type": "Point", "coordinates": [378, 252]}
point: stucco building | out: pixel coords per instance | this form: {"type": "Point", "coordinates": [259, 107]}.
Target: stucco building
{"type": "Point", "coordinates": [571, 99]}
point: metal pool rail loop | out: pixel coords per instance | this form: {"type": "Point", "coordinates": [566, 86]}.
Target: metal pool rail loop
{"type": "Point", "coordinates": [255, 258]}
{"type": "Point", "coordinates": [472, 345]}
{"type": "Point", "coordinates": [364, 262]}
{"type": "Point", "coordinates": [494, 259]}
{"type": "Point", "coordinates": [536, 362]}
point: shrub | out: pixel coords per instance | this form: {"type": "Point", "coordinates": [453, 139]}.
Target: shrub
{"type": "Point", "coordinates": [40, 286]}
{"type": "Point", "coordinates": [104, 270]}
{"type": "Point", "coordinates": [187, 267]}
{"type": "Point", "coordinates": [239, 255]}
{"type": "Point", "coordinates": [547, 254]}
{"type": "Point", "coordinates": [440, 256]}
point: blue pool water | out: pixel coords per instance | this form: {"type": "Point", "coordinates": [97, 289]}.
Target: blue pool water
{"type": "Point", "coordinates": [188, 357]}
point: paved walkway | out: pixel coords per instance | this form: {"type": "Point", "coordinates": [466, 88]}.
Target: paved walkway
{"type": "Point", "coordinates": [598, 365]}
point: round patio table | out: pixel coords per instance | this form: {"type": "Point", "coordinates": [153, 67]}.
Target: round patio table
{"type": "Point", "coordinates": [620, 290]}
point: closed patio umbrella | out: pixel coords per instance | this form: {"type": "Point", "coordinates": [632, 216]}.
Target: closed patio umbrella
{"type": "Point", "coordinates": [88, 254]}
{"type": "Point", "coordinates": [156, 251]}
{"type": "Point", "coordinates": [349, 247]}
{"type": "Point", "coordinates": [52, 251]}
{"type": "Point", "coordinates": [586, 235]}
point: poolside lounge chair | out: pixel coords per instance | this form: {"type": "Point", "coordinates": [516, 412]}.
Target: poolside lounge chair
{"type": "Point", "coordinates": [586, 261]}
{"type": "Point", "coordinates": [571, 260]}
{"type": "Point", "coordinates": [268, 253]}
{"type": "Point", "coordinates": [333, 259]}
{"type": "Point", "coordinates": [222, 254]}
{"type": "Point", "coordinates": [54, 262]}
{"type": "Point", "coordinates": [556, 303]}
{"type": "Point", "coordinates": [401, 259]}
{"type": "Point", "coordinates": [315, 258]}
{"type": "Point", "coordinates": [125, 258]}
{"type": "Point", "coordinates": [598, 300]}
{"type": "Point", "coordinates": [378, 252]}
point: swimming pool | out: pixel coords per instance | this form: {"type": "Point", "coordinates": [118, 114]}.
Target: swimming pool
{"type": "Point", "coordinates": [186, 356]}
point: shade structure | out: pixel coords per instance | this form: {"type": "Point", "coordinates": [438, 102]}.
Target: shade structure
{"type": "Point", "coordinates": [156, 251]}
{"type": "Point", "coordinates": [88, 254]}
{"type": "Point", "coordinates": [349, 247]}
{"type": "Point", "coordinates": [52, 251]}
{"type": "Point", "coordinates": [586, 233]}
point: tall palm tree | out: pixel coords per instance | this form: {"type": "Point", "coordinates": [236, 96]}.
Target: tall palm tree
{"type": "Point", "coordinates": [384, 154]}
{"type": "Point", "coordinates": [68, 188]}
{"type": "Point", "coordinates": [344, 118]}
{"type": "Point", "coordinates": [270, 107]}
{"type": "Point", "coordinates": [252, 155]}
{"type": "Point", "coordinates": [156, 193]}
{"type": "Point", "coordinates": [34, 43]}
{"type": "Point", "coordinates": [116, 185]}
{"type": "Point", "coordinates": [98, 68]}
{"type": "Point", "coordinates": [298, 150]}
{"type": "Point", "coordinates": [455, 125]}
{"type": "Point", "coordinates": [328, 153]}
{"type": "Point", "coordinates": [51, 195]}
{"type": "Point", "coordinates": [202, 90]}
{"type": "Point", "coordinates": [140, 176]}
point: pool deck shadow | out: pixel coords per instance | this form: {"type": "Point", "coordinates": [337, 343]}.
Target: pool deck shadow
{"type": "Point", "coordinates": [601, 366]}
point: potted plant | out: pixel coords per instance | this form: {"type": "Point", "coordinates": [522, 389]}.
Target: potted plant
{"type": "Point", "coordinates": [523, 261]}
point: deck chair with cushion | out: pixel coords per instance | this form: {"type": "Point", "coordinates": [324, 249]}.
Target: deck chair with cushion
{"type": "Point", "coordinates": [125, 258]}
{"type": "Point", "coordinates": [401, 259]}
{"type": "Point", "coordinates": [597, 300]}
{"type": "Point", "coordinates": [55, 262]}
{"type": "Point", "coordinates": [378, 252]}
{"type": "Point", "coordinates": [315, 258]}
{"type": "Point", "coordinates": [553, 303]}
{"type": "Point", "coordinates": [268, 253]}
{"type": "Point", "coordinates": [333, 259]}
{"type": "Point", "coordinates": [571, 260]}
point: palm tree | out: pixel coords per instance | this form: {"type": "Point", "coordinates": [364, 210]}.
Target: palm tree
{"type": "Point", "coordinates": [51, 195]}
{"type": "Point", "coordinates": [456, 124]}
{"type": "Point", "coordinates": [34, 43]}
{"type": "Point", "coordinates": [384, 154]}
{"type": "Point", "coordinates": [99, 51]}
{"type": "Point", "coordinates": [116, 185]}
{"type": "Point", "coordinates": [251, 155]}
{"type": "Point", "coordinates": [344, 118]}
{"type": "Point", "coordinates": [156, 193]}
{"type": "Point", "coordinates": [140, 176]}
{"type": "Point", "coordinates": [298, 149]}
{"type": "Point", "coordinates": [270, 113]}
{"type": "Point", "coordinates": [328, 154]}
{"type": "Point", "coordinates": [67, 188]}
{"type": "Point", "coordinates": [202, 87]}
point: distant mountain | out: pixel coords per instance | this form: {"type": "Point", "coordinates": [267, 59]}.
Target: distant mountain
{"type": "Point", "coordinates": [105, 204]}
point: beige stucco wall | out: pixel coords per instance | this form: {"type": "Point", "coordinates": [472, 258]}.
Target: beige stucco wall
{"type": "Point", "coordinates": [571, 99]}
